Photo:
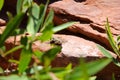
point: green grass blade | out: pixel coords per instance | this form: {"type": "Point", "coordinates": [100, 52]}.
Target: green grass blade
{"type": "Point", "coordinates": [13, 49]}
{"type": "Point", "coordinates": [118, 38]}
{"type": "Point", "coordinates": [10, 16]}
{"type": "Point", "coordinates": [91, 67]}
{"type": "Point", "coordinates": [48, 56]}
{"type": "Point", "coordinates": [93, 78]}
{"type": "Point", "coordinates": [46, 36]}
{"type": "Point", "coordinates": [19, 6]}
{"type": "Point", "coordinates": [42, 16]}
{"type": "Point", "coordinates": [14, 77]}
{"type": "Point", "coordinates": [104, 51]}
{"type": "Point", "coordinates": [48, 20]}
{"type": "Point", "coordinates": [118, 42]}
{"type": "Point", "coordinates": [11, 26]}
{"type": "Point", "coordinates": [63, 26]}
{"type": "Point", "coordinates": [108, 55]}
{"type": "Point", "coordinates": [33, 19]}
{"type": "Point", "coordinates": [1, 4]}
{"type": "Point", "coordinates": [25, 59]}
{"type": "Point", "coordinates": [23, 5]}
{"type": "Point", "coordinates": [30, 26]}
{"type": "Point", "coordinates": [111, 40]}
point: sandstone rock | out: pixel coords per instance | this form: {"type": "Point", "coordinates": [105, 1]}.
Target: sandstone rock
{"type": "Point", "coordinates": [73, 48]}
{"type": "Point", "coordinates": [91, 16]}
{"type": "Point", "coordinates": [2, 22]}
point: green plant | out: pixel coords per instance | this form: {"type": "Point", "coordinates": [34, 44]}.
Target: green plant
{"type": "Point", "coordinates": [37, 22]}
{"type": "Point", "coordinates": [40, 22]}
{"type": "Point", "coordinates": [115, 44]}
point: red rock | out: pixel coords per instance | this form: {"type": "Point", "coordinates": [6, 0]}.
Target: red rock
{"type": "Point", "coordinates": [73, 48]}
{"type": "Point", "coordinates": [2, 22]}
{"type": "Point", "coordinates": [91, 16]}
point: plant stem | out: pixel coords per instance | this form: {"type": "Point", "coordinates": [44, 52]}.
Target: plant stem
{"type": "Point", "coordinates": [12, 50]}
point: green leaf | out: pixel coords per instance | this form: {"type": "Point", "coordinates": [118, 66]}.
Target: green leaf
{"type": "Point", "coordinates": [24, 40]}
{"type": "Point", "coordinates": [48, 20]}
{"type": "Point", "coordinates": [26, 5]}
{"type": "Point", "coordinates": [10, 16]}
{"type": "Point", "coordinates": [23, 5]}
{"type": "Point", "coordinates": [13, 49]}
{"type": "Point", "coordinates": [2, 50]}
{"type": "Point", "coordinates": [42, 16]}
{"type": "Point", "coordinates": [25, 58]}
{"type": "Point", "coordinates": [33, 19]}
{"type": "Point", "coordinates": [116, 62]}
{"type": "Point", "coordinates": [98, 65]}
{"type": "Point", "coordinates": [1, 4]}
{"type": "Point", "coordinates": [1, 71]}
{"type": "Point", "coordinates": [63, 26]}
{"type": "Point", "coordinates": [110, 38]}
{"type": "Point", "coordinates": [17, 32]}
{"type": "Point", "coordinates": [48, 56]}
{"type": "Point", "coordinates": [38, 54]}
{"type": "Point", "coordinates": [11, 26]}
{"type": "Point", "coordinates": [61, 72]}
{"type": "Point", "coordinates": [30, 26]}
{"type": "Point", "coordinates": [35, 11]}
{"type": "Point", "coordinates": [19, 6]}
{"type": "Point", "coordinates": [13, 77]}
{"type": "Point", "coordinates": [108, 55]}
{"type": "Point", "coordinates": [118, 38]}
{"type": "Point", "coordinates": [118, 42]}
{"type": "Point", "coordinates": [46, 34]}
{"type": "Point", "coordinates": [92, 78]}
{"type": "Point", "coordinates": [91, 68]}
{"type": "Point", "coordinates": [104, 51]}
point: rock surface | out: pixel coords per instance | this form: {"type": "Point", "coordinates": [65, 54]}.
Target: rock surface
{"type": "Point", "coordinates": [2, 22]}
{"type": "Point", "coordinates": [73, 48]}
{"type": "Point", "coordinates": [2, 25]}
{"type": "Point", "coordinates": [91, 16]}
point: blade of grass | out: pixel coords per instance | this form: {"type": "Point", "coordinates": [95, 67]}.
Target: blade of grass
{"type": "Point", "coordinates": [48, 56]}
{"type": "Point", "coordinates": [19, 6]}
{"type": "Point", "coordinates": [23, 5]}
{"type": "Point", "coordinates": [12, 50]}
{"type": "Point", "coordinates": [108, 55]}
{"type": "Point", "coordinates": [33, 19]}
{"type": "Point", "coordinates": [48, 20]}
{"type": "Point", "coordinates": [63, 26]}
{"type": "Point", "coordinates": [111, 40]}
{"type": "Point", "coordinates": [11, 26]}
{"type": "Point", "coordinates": [104, 51]}
{"type": "Point", "coordinates": [14, 77]}
{"type": "Point", "coordinates": [42, 16]}
{"type": "Point", "coordinates": [25, 58]}
{"type": "Point", "coordinates": [91, 67]}
{"type": "Point", "coordinates": [10, 16]}
{"type": "Point", "coordinates": [118, 38]}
